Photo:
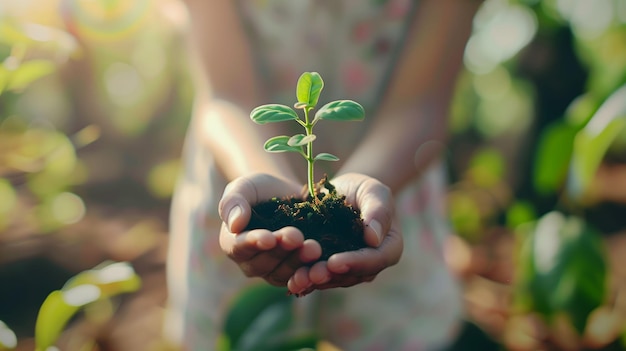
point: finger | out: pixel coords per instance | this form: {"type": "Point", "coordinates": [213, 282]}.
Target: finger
{"type": "Point", "coordinates": [368, 261]}
{"type": "Point", "coordinates": [234, 206]}
{"type": "Point", "coordinates": [319, 273]}
{"type": "Point", "coordinates": [244, 246]}
{"type": "Point", "coordinates": [344, 281]}
{"type": "Point", "coordinates": [309, 251]}
{"type": "Point", "coordinates": [299, 282]}
{"type": "Point", "coordinates": [274, 264]}
{"type": "Point", "coordinates": [239, 195]}
{"type": "Point", "coordinates": [374, 199]}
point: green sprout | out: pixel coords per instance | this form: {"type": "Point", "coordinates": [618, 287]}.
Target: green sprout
{"type": "Point", "coordinates": [308, 91]}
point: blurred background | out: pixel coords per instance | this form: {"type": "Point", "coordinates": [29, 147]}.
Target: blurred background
{"type": "Point", "coordinates": [95, 98]}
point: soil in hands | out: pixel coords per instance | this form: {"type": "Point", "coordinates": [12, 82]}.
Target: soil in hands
{"type": "Point", "coordinates": [328, 219]}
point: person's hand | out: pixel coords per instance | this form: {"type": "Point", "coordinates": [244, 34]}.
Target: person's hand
{"type": "Point", "coordinates": [382, 234]}
{"type": "Point", "coordinates": [273, 256]}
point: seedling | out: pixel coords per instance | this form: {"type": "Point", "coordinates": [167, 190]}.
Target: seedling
{"type": "Point", "coordinates": [308, 89]}
{"type": "Point", "coordinates": [327, 219]}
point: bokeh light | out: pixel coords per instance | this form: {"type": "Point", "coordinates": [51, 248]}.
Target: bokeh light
{"type": "Point", "coordinates": [107, 20]}
{"type": "Point", "coordinates": [501, 31]}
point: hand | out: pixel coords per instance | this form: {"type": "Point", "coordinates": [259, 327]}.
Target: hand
{"type": "Point", "coordinates": [382, 234]}
{"type": "Point", "coordinates": [273, 256]}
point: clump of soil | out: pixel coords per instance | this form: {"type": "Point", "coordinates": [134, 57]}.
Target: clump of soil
{"type": "Point", "coordinates": [328, 219]}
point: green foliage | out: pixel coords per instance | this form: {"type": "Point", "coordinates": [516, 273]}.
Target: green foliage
{"type": "Point", "coordinates": [562, 269]}
{"type": "Point", "coordinates": [592, 142]}
{"type": "Point", "coordinates": [259, 319]}
{"type": "Point", "coordinates": [553, 157]}
{"type": "Point", "coordinates": [308, 90]}
{"type": "Point", "coordinates": [102, 282]}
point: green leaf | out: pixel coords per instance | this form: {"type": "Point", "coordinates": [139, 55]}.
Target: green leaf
{"type": "Point", "coordinates": [563, 269]}
{"type": "Point", "coordinates": [310, 85]}
{"type": "Point", "coordinates": [54, 314]}
{"type": "Point", "coordinates": [28, 72]}
{"type": "Point", "coordinates": [300, 139]}
{"type": "Point", "coordinates": [102, 282]}
{"type": "Point", "coordinates": [340, 110]}
{"type": "Point", "coordinates": [592, 142]}
{"type": "Point", "coordinates": [255, 310]}
{"type": "Point", "coordinates": [8, 339]}
{"type": "Point", "coordinates": [324, 156]}
{"type": "Point", "coordinates": [553, 156]}
{"type": "Point", "coordinates": [273, 113]}
{"type": "Point", "coordinates": [280, 144]}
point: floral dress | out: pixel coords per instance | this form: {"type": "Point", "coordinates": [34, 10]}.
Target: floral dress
{"type": "Point", "coordinates": [414, 305]}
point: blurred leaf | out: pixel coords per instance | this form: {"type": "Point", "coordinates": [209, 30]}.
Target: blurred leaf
{"type": "Point", "coordinates": [340, 110]}
{"type": "Point", "coordinates": [55, 312]}
{"type": "Point", "coordinates": [162, 178]}
{"type": "Point", "coordinates": [112, 278]}
{"type": "Point", "coordinates": [102, 282]}
{"type": "Point", "coordinates": [280, 144]}
{"type": "Point", "coordinates": [308, 88]}
{"type": "Point", "coordinates": [487, 168]}
{"type": "Point", "coordinates": [552, 159]}
{"type": "Point", "coordinates": [465, 216]}
{"type": "Point", "coordinates": [520, 212]}
{"type": "Point", "coordinates": [592, 142]}
{"type": "Point", "coordinates": [57, 155]}
{"type": "Point", "coordinates": [8, 340]}
{"type": "Point", "coordinates": [28, 72]}
{"type": "Point", "coordinates": [256, 314]}
{"type": "Point", "coordinates": [272, 113]}
{"type": "Point", "coordinates": [562, 269]}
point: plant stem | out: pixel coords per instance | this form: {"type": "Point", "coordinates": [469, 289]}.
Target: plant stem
{"type": "Point", "coordinates": [309, 153]}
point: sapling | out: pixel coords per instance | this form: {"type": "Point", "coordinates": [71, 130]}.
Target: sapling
{"type": "Point", "coordinates": [327, 218]}
{"type": "Point", "coordinates": [308, 89]}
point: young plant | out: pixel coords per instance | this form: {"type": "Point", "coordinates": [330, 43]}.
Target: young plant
{"type": "Point", "coordinates": [308, 89]}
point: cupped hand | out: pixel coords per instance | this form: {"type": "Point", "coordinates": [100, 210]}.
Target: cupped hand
{"type": "Point", "coordinates": [382, 234]}
{"type": "Point", "coordinates": [274, 256]}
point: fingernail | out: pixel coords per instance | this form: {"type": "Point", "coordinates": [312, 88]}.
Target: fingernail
{"type": "Point", "coordinates": [377, 228]}
{"type": "Point", "coordinates": [234, 213]}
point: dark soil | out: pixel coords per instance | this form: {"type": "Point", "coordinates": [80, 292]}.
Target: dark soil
{"type": "Point", "coordinates": [328, 219]}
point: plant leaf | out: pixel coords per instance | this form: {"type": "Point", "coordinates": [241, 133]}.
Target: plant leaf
{"type": "Point", "coordinates": [28, 72]}
{"type": "Point", "coordinates": [553, 156]}
{"type": "Point", "coordinates": [563, 269]}
{"type": "Point", "coordinates": [310, 85]}
{"type": "Point", "coordinates": [247, 311]}
{"type": "Point", "coordinates": [272, 113]}
{"type": "Point", "coordinates": [592, 142]}
{"type": "Point", "coordinates": [341, 110]}
{"type": "Point", "coordinates": [324, 156]}
{"type": "Point", "coordinates": [280, 144]}
{"type": "Point", "coordinates": [89, 286]}
{"type": "Point", "coordinates": [300, 139]}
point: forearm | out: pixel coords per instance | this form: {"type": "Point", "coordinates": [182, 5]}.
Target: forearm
{"type": "Point", "coordinates": [409, 130]}
{"type": "Point", "coordinates": [236, 142]}
{"type": "Point", "coordinates": [227, 88]}
{"type": "Point", "coordinates": [401, 144]}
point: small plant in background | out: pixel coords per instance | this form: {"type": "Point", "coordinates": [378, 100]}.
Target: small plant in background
{"type": "Point", "coordinates": [562, 271]}
{"type": "Point", "coordinates": [88, 291]}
